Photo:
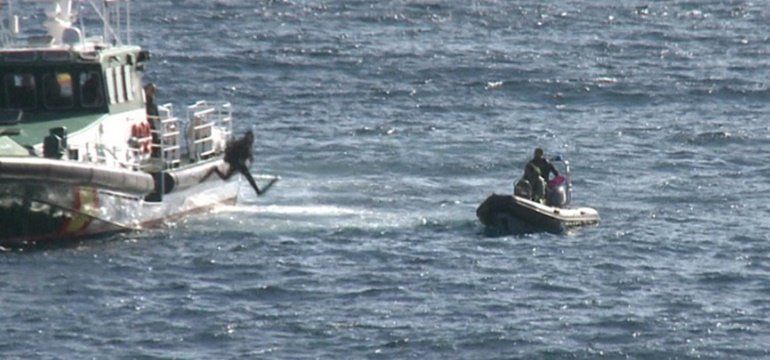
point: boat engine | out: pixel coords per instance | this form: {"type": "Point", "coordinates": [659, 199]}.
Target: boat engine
{"type": "Point", "coordinates": [564, 181]}
{"type": "Point", "coordinates": [556, 196]}
{"type": "Point", "coordinates": [556, 193]}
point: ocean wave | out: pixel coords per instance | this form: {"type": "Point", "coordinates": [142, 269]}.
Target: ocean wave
{"type": "Point", "coordinates": [713, 138]}
{"type": "Point", "coordinates": [555, 288]}
{"type": "Point", "coordinates": [722, 278]}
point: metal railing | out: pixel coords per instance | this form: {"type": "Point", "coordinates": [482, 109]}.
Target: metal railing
{"type": "Point", "coordinates": [137, 153]}
{"type": "Point", "coordinates": [209, 125]}
{"type": "Point", "coordinates": [208, 128]}
{"type": "Point", "coordinates": [168, 135]}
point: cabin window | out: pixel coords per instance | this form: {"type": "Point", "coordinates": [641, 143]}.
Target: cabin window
{"type": "Point", "coordinates": [58, 90]}
{"type": "Point", "coordinates": [109, 74]}
{"type": "Point", "coordinates": [91, 93]}
{"type": "Point", "coordinates": [120, 89]}
{"type": "Point", "coordinates": [128, 81]}
{"type": "Point", "coordinates": [20, 90]}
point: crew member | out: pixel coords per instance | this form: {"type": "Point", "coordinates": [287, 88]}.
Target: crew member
{"type": "Point", "coordinates": [150, 105]}
{"type": "Point", "coordinates": [153, 116]}
{"type": "Point", "coordinates": [545, 167]}
{"type": "Point", "coordinates": [537, 172]}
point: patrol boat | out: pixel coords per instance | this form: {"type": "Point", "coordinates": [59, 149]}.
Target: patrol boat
{"type": "Point", "coordinates": [81, 152]}
{"type": "Point", "coordinates": [519, 213]}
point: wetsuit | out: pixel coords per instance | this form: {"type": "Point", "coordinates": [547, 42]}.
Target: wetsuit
{"type": "Point", "coordinates": [545, 167]}
{"type": "Point", "coordinates": [239, 151]}
{"type": "Point", "coordinates": [537, 172]}
{"type": "Point", "coordinates": [238, 155]}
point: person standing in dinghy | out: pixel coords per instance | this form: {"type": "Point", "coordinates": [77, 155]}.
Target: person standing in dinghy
{"type": "Point", "coordinates": [536, 174]}
{"type": "Point", "coordinates": [545, 166]}
{"type": "Point", "coordinates": [238, 156]}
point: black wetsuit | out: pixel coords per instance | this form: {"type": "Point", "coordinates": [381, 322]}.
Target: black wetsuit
{"type": "Point", "coordinates": [537, 172]}
{"type": "Point", "coordinates": [237, 152]}
{"type": "Point", "coordinates": [545, 167]}
{"type": "Point", "coordinates": [237, 155]}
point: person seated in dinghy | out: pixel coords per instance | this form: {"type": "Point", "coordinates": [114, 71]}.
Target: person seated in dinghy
{"type": "Point", "coordinates": [536, 173]}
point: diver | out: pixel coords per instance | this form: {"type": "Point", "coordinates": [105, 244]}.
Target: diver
{"type": "Point", "coordinates": [238, 156]}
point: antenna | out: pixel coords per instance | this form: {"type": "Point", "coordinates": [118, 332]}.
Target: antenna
{"type": "Point", "coordinates": [116, 16]}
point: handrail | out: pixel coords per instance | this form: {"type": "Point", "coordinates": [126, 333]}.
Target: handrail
{"type": "Point", "coordinates": [114, 15]}
{"type": "Point", "coordinates": [209, 125]}
{"type": "Point", "coordinates": [169, 137]}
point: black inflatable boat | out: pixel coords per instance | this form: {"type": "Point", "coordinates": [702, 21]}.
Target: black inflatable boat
{"type": "Point", "coordinates": [514, 214]}
{"type": "Point", "coordinates": [518, 213]}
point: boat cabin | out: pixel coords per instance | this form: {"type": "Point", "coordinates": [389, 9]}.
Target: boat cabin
{"type": "Point", "coordinates": [40, 82]}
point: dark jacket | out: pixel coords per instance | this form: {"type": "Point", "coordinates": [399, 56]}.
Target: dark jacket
{"type": "Point", "coordinates": [238, 151]}
{"type": "Point", "coordinates": [545, 167]}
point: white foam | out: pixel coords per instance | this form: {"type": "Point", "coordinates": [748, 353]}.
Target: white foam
{"type": "Point", "coordinates": [493, 85]}
{"type": "Point", "coordinates": [313, 210]}
{"type": "Point", "coordinates": [606, 80]}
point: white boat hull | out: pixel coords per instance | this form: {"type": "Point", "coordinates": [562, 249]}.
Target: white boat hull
{"type": "Point", "coordinates": [34, 212]}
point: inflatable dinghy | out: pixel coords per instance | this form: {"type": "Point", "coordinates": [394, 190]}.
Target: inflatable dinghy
{"type": "Point", "coordinates": [519, 213]}
{"type": "Point", "coordinates": [513, 214]}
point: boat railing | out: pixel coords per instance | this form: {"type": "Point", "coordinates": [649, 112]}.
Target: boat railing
{"type": "Point", "coordinates": [209, 126]}
{"type": "Point", "coordinates": [138, 149]}
{"type": "Point", "coordinates": [168, 135]}
{"type": "Point", "coordinates": [67, 26]}
{"type": "Point", "coordinates": [110, 157]}
{"type": "Point", "coordinates": [226, 118]}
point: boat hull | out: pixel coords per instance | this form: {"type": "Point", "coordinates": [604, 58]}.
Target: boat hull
{"type": "Point", "coordinates": [514, 214]}
{"type": "Point", "coordinates": [35, 212]}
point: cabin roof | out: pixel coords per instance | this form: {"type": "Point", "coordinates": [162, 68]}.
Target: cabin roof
{"type": "Point", "coordinates": [52, 56]}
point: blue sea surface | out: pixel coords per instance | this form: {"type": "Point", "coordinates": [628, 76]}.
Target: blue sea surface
{"type": "Point", "coordinates": [389, 123]}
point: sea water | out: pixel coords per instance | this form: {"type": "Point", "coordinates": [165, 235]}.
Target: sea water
{"type": "Point", "coordinates": [389, 122]}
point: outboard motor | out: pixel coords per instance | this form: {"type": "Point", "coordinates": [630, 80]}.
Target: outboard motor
{"type": "Point", "coordinates": [556, 192]}
{"type": "Point", "coordinates": [559, 189]}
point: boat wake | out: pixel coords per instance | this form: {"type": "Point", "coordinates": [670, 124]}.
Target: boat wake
{"type": "Point", "coordinates": [299, 210]}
